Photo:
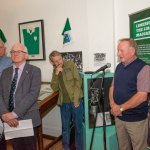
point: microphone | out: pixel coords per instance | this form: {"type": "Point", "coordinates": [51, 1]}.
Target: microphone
{"type": "Point", "coordinates": [108, 65]}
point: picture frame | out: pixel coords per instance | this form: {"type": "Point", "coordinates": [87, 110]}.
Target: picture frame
{"type": "Point", "coordinates": [76, 57]}
{"type": "Point", "coordinates": [31, 34]}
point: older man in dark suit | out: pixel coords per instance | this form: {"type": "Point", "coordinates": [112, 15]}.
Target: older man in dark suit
{"type": "Point", "coordinates": [19, 90]}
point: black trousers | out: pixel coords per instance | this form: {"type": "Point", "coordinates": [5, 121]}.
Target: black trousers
{"type": "Point", "coordinates": [3, 144]}
{"type": "Point", "coordinates": [23, 143]}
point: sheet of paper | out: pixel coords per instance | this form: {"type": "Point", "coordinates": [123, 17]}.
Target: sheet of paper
{"type": "Point", "coordinates": [24, 129]}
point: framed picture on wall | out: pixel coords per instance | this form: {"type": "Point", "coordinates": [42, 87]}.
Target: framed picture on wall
{"type": "Point", "coordinates": [76, 57]}
{"type": "Point", "coordinates": [31, 34]}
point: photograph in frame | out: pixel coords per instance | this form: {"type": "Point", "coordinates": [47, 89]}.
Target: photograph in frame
{"type": "Point", "coordinates": [76, 57]}
{"type": "Point", "coordinates": [31, 34]}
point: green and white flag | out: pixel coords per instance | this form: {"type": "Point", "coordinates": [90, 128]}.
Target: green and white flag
{"type": "Point", "coordinates": [67, 39]}
{"type": "Point", "coordinates": [2, 36]}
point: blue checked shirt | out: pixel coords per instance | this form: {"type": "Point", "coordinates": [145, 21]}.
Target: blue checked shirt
{"type": "Point", "coordinates": [5, 62]}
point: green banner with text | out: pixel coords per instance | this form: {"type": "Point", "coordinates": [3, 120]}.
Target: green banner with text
{"type": "Point", "coordinates": [140, 32]}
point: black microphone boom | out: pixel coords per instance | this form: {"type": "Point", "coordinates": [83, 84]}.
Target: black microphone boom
{"type": "Point", "coordinates": [108, 65]}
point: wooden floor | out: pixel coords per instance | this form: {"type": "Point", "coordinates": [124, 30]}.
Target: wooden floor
{"type": "Point", "coordinates": [57, 146]}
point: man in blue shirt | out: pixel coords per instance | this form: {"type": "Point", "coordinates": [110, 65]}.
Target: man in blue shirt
{"type": "Point", "coordinates": [5, 61]}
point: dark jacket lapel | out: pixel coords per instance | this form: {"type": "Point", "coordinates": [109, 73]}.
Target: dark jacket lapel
{"type": "Point", "coordinates": [9, 77]}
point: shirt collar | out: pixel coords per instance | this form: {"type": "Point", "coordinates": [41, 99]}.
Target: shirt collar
{"type": "Point", "coordinates": [20, 67]}
{"type": "Point", "coordinates": [130, 61]}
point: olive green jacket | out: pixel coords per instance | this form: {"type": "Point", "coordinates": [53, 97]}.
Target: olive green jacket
{"type": "Point", "coordinates": [72, 81]}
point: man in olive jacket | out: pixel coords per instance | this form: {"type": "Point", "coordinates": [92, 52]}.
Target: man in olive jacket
{"type": "Point", "coordinates": [66, 79]}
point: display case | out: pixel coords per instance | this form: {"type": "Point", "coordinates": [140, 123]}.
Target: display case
{"type": "Point", "coordinates": [92, 93]}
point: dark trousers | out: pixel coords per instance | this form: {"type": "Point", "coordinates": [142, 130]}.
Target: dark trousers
{"type": "Point", "coordinates": [23, 143]}
{"type": "Point", "coordinates": [2, 144]}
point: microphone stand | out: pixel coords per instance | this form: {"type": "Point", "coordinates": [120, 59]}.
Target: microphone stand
{"type": "Point", "coordinates": [101, 100]}
{"type": "Point", "coordinates": [103, 110]}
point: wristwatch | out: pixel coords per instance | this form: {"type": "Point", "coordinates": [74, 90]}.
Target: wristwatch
{"type": "Point", "coordinates": [121, 109]}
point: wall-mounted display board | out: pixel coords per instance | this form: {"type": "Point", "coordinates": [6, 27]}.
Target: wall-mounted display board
{"type": "Point", "coordinates": [140, 32]}
{"type": "Point", "coordinates": [76, 57]}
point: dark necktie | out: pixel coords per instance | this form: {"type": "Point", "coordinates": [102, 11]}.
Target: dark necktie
{"type": "Point", "coordinates": [12, 90]}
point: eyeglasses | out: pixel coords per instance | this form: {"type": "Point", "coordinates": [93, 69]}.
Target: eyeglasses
{"type": "Point", "coordinates": [17, 52]}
